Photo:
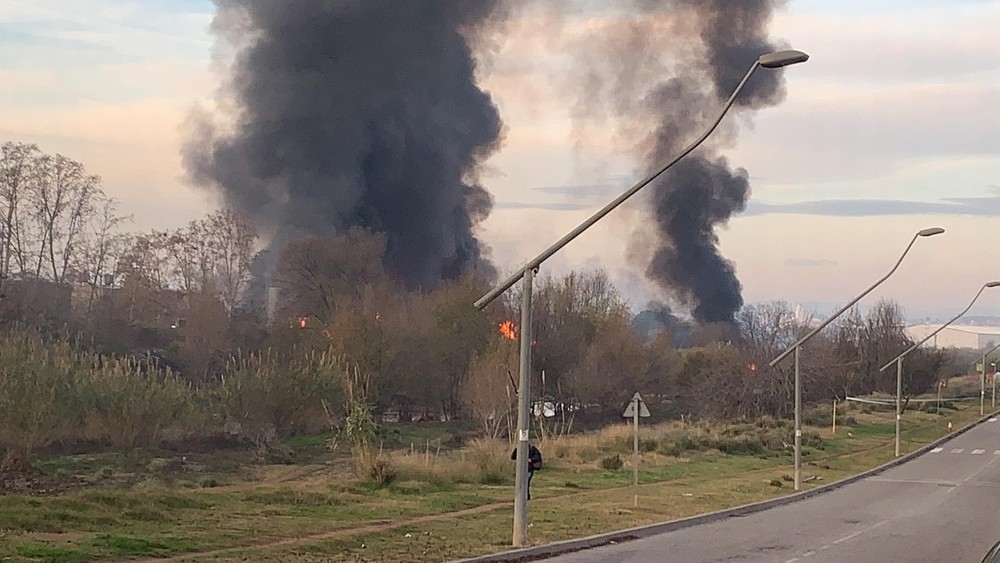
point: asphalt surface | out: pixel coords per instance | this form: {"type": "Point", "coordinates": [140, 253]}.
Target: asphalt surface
{"type": "Point", "coordinates": [943, 506]}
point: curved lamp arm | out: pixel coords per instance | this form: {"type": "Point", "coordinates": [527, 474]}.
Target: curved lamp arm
{"type": "Point", "coordinates": [942, 327]}
{"type": "Point", "coordinates": [929, 232]}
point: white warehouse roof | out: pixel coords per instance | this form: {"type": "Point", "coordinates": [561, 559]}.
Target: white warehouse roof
{"type": "Point", "coordinates": [957, 336]}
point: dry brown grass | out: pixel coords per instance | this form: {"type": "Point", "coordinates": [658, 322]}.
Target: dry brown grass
{"type": "Point", "coordinates": [482, 461]}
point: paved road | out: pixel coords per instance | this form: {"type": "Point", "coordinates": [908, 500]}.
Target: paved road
{"type": "Point", "coordinates": [943, 506]}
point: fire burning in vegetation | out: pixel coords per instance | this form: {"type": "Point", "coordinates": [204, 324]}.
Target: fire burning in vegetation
{"type": "Point", "coordinates": [508, 330]}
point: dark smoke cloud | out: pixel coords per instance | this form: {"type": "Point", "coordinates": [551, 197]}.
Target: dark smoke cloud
{"type": "Point", "coordinates": [356, 113]}
{"type": "Point", "coordinates": [667, 66]}
{"type": "Point", "coordinates": [657, 318]}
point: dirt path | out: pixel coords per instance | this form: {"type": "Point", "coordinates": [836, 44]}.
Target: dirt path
{"type": "Point", "coordinates": [362, 528]}
{"type": "Point", "coordinates": [383, 525]}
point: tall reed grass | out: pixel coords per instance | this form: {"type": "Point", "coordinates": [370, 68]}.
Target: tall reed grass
{"type": "Point", "coordinates": [54, 392]}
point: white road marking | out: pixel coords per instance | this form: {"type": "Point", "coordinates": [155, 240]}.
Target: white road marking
{"type": "Point", "coordinates": [810, 553]}
{"type": "Point", "coordinates": [996, 452]}
{"type": "Point", "coordinates": [914, 481]}
{"type": "Point", "coordinates": [957, 450]}
{"type": "Point", "coordinates": [978, 452]}
{"type": "Point", "coordinates": [939, 450]}
{"type": "Point", "coordinates": [845, 538]}
{"type": "Point", "coordinates": [994, 419]}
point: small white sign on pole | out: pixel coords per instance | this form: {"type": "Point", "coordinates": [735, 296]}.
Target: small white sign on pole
{"type": "Point", "coordinates": [630, 409]}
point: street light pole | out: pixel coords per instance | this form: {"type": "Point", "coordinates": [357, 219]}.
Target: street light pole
{"type": "Point", "coordinates": [994, 399]}
{"type": "Point", "coordinates": [798, 422]}
{"type": "Point", "coordinates": [928, 232]}
{"type": "Point", "coordinates": [899, 403]}
{"type": "Point", "coordinates": [523, 417]}
{"type": "Point", "coordinates": [898, 360]}
{"type": "Point", "coordinates": [982, 384]}
{"type": "Point", "coordinates": [770, 60]}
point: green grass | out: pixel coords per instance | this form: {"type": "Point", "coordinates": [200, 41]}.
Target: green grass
{"type": "Point", "coordinates": [52, 554]}
{"type": "Point", "coordinates": [158, 518]}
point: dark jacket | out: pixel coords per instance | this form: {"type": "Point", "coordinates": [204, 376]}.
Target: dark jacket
{"type": "Point", "coordinates": [534, 458]}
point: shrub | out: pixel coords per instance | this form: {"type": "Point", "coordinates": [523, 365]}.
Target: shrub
{"type": "Point", "coordinates": [130, 408]}
{"type": "Point", "coordinates": [264, 396]}
{"type": "Point", "coordinates": [647, 445]}
{"type": "Point", "coordinates": [742, 445]}
{"type": "Point", "coordinates": [490, 460]}
{"type": "Point", "coordinates": [612, 463]}
{"type": "Point", "coordinates": [381, 471]}
{"type": "Point", "coordinates": [818, 415]}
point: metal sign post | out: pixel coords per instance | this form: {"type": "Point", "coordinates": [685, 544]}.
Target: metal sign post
{"type": "Point", "coordinates": [636, 408]}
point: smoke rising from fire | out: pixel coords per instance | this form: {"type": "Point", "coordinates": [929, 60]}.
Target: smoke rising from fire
{"type": "Point", "coordinates": [356, 113]}
{"type": "Point", "coordinates": [666, 67]}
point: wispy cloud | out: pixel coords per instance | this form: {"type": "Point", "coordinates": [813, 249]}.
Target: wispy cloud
{"type": "Point", "coordinates": [604, 190]}
{"type": "Point", "coordinates": [809, 262]}
{"type": "Point", "coordinates": [572, 197]}
{"type": "Point", "coordinates": [545, 206]}
{"type": "Point", "coordinates": [106, 29]}
{"type": "Point", "coordinates": [985, 206]}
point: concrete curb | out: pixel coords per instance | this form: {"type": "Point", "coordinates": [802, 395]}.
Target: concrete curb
{"type": "Point", "coordinates": [559, 548]}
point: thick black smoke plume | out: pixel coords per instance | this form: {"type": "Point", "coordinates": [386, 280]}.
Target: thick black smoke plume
{"type": "Point", "coordinates": [703, 48]}
{"type": "Point", "coordinates": [356, 113]}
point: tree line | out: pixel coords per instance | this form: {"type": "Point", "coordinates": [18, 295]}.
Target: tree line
{"type": "Point", "coordinates": [195, 298]}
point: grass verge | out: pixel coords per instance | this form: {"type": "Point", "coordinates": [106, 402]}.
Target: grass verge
{"type": "Point", "coordinates": [434, 511]}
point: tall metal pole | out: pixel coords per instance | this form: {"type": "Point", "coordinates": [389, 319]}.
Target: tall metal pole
{"type": "Point", "coordinates": [798, 423]}
{"type": "Point", "coordinates": [635, 450]}
{"type": "Point", "coordinates": [771, 61]}
{"type": "Point", "coordinates": [993, 399]}
{"type": "Point", "coordinates": [916, 345]}
{"type": "Point", "coordinates": [982, 387]}
{"type": "Point", "coordinates": [523, 419]}
{"type": "Point", "coordinates": [929, 232]}
{"type": "Point", "coordinates": [899, 400]}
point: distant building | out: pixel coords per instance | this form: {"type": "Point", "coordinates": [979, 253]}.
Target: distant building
{"type": "Point", "coordinates": [957, 336]}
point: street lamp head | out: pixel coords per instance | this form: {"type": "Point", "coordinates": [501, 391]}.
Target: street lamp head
{"type": "Point", "coordinates": [992, 283]}
{"type": "Point", "coordinates": [929, 232]}
{"type": "Point", "coordinates": [782, 58]}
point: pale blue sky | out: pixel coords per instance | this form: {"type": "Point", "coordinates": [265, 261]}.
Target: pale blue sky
{"type": "Point", "coordinates": [890, 127]}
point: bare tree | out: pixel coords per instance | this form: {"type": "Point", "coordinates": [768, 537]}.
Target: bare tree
{"type": "Point", "coordinates": [64, 202]}
{"type": "Point", "coordinates": [231, 238]}
{"type": "Point", "coordinates": [16, 170]}
{"type": "Point", "coordinates": [315, 274]}
{"type": "Point", "coordinates": [612, 366]}
{"type": "Point", "coordinates": [767, 329]}
{"type": "Point", "coordinates": [103, 249]}
{"type": "Point", "coordinates": [486, 393]}
{"type": "Point", "coordinates": [143, 269]}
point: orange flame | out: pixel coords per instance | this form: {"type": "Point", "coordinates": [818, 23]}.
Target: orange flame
{"type": "Point", "coordinates": [508, 330]}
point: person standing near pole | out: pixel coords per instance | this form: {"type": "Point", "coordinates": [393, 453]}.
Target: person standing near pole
{"type": "Point", "coordinates": [534, 463]}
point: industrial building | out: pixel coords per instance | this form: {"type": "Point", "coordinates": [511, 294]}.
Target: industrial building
{"type": "Point", "coordinates": [957, 336]}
